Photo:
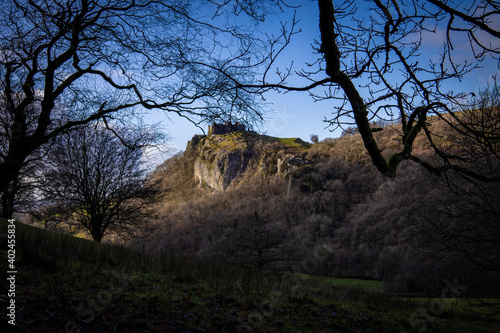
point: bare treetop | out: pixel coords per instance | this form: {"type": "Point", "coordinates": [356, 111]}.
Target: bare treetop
{"type": "Point", "coordinates": [398, 61]}
{"type": "Point", "coordinates": [68, 63]}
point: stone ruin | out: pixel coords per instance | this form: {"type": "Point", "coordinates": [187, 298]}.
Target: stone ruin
{"type": "Point", "coordinates": [227, 127]}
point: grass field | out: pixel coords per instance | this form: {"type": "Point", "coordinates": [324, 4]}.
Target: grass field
{"type": "Point", "coordinates": [458, 306]}
{"type": "Point", "coordinates": [372, 285]}
{"type": "Point", "coordinates": [66, 284]}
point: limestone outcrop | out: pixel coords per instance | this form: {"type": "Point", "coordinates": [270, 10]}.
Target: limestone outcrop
{"type": "Point", "coordinates": [220, 160]}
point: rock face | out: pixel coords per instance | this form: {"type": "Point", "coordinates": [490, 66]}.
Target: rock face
{"type": "Point", "coordinates": [219, 171]}
{"type": "Point", "coordinates": [219, 160]}
{"type": "Point", "coordinates": [289, 163]}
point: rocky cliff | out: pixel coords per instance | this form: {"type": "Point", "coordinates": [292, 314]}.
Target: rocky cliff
{"type": "Point", "coordinates": [220, 160]}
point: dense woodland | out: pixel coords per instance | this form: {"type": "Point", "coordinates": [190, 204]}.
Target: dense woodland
{"type": "Point", "coordinates": [413, 231]}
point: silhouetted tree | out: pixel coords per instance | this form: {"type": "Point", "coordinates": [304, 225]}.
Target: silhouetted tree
{"type": "Point", "coordinates": [259, 244]}
{"type": "Point", "coordinates": [96, 179]}
{"type": "Point", "coordinates": [18, 194]}
{"type": "Point", "coordinates": [464, 218]}
{"type": "Point", "coordinates": [371, 59]}
{"type": "Point", "coordinates": [314, 138]}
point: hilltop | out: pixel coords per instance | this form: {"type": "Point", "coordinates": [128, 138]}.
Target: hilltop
{"type": "Point", "coordinates": [233, 156]}
{"type": "Point", "coordinates": [221, 159]}
{"type": "Point", "coordinates": [229, 151]}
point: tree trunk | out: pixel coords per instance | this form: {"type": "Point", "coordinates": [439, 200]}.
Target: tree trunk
{"type": "Point", "coordinates": [8, 197]}
{"type": "Point", "coordinates": [331, 54]}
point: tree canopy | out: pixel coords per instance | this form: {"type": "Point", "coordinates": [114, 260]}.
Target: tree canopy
{"type": "Point", "coordinates": [399, 62]}
{"type": "Point", "coordinates": [67, 63]}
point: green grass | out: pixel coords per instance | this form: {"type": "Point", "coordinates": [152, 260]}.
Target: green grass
{"type": "Point", "coordinates": [67, 282]}
{"type": "Point", "coordinates": [288, 142]}
{"type": "Point", "coordinates": [240, 141]}
{"type": "Point", "coordinates": [346, 282]}
{"type": "Point", "coordinates": [231, 141]}
{"type": "Point", "coordinates": [459, 306]}
{"type": "Point", "coordinates": [444, 306]}
{"type": "Point", "coordinates": [237, 139]}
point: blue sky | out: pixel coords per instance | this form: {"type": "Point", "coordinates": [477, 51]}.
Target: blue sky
{"type": "Point", "coordinates": [295, 114]}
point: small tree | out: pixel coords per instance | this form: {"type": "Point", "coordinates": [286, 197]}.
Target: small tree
{"type": "Point", "coordinates": [97, 180]}
{"type": "Point", "coordinates": [258, 243]}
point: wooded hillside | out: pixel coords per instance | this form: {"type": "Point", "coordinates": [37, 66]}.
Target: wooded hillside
{"type": "Point", "coordinates": [413, 231]}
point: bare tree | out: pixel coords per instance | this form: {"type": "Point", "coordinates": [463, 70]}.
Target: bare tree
{"type": "Point", "coordinates": [68, 63]}
{"type": "Point", "coordinates": [96, 179]}
{"type": "Point", "coordinates": [257, 243]}
{"type": "Point", "coordinates": [370, 60]}
{"type": "Point", "coordinates": [462, 222]}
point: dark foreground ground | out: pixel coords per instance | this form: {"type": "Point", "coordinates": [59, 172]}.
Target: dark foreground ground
{"type": "Point", "coordinates": [71, 285]}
